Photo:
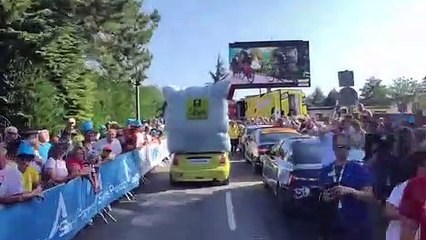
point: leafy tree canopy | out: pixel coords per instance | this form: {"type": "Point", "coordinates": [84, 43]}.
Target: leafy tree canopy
{"type": "Point", "coordinates": [316, 98]}
{"type": "Point", "coordinates": [152, 101]}
{"type": "Point", "coordinates": [69, 58]}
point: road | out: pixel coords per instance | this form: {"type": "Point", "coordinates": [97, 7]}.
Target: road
{"type": "Point", "coordinates": [243, 210]}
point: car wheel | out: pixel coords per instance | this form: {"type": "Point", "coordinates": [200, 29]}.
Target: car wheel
{"type": "Point", "coordinates": [256, 168]}
{"type": "Point", "coordinates": [225, 182]}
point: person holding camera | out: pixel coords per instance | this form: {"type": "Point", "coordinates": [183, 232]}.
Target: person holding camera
{"type": "Point", "coordinates": [346, 189]}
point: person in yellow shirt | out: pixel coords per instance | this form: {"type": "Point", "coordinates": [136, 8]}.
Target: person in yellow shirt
{"type": "Point", "coordinates": [234, 134]}
{"type": "Point", "coordinates": [30, 175]}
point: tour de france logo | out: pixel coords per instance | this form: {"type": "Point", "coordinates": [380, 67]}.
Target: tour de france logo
{"type": "Point", "coordinates": [197, 109]}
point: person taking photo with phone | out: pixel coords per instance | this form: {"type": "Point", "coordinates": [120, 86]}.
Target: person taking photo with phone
{"type": "Point", "coordinates": [347, 187]}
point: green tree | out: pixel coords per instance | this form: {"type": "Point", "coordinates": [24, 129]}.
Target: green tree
{"type": "Point", "coordinates": [332, 98]}
{"type": "Point", "coordinates": [151, 102]}
{"type": "Point", "coordinates": [316, 98]}
{"type": "Point", "coordinates": [219, 74]}
{"type": "Point", "coordinates": [374, 93]}
{"type": "Point", "coordinates": [402, 90]}
{"type": "Point", "coordinates": [47, 48]}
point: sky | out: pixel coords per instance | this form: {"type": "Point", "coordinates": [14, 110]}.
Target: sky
{"type": "Point", "coordinates": [381, 38]}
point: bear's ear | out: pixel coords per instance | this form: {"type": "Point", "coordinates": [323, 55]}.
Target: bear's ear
{"type": "Point", "coordinates": [169, 92]}
{"type": "Point", "coordinates": [220, 89]}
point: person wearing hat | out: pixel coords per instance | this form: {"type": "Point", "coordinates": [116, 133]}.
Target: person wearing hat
{"type": "Point", "coordinates": [418, 161]}
{"type": "Point", "coordinates": [11, 183]}
{"type": "Point", "coordinates": [30, 175]}
{"type": "Point", "coordinates": [12, 140]}
{"type": "Point", "coordinates": [89, 135]}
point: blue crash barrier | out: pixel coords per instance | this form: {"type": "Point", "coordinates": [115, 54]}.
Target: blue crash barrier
{"type": "Point", "coordinates": [67, 208]}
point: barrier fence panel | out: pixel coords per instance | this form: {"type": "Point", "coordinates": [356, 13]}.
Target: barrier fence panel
{"type": "Point", "coordinates": [67, 208]}
{"type": "Point", "coordinates": [152, 156]}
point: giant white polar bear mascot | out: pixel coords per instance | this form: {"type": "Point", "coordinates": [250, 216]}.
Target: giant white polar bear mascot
{"type": "Point", "coordinates": [197, 118]}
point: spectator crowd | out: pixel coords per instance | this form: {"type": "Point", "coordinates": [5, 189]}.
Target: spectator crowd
{"type": "Point", "coordinates": [391, 176]}
{"type": "Point", "coordinates": [34, 160]}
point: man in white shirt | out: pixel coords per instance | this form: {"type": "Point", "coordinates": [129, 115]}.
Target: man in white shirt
{"type": "Point", "coordinates": [109, 140]}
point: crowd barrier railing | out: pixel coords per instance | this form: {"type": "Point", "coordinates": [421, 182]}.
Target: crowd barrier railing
{"type": "Point", "coordinates": [68, 208]}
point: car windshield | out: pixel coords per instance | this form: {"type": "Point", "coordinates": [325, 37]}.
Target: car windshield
{"type": "Point", "coordinates": [304, 153]}
{"type": "Point", "coordinates": [275, 137]}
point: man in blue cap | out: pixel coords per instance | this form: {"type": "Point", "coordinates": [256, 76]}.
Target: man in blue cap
{"type": "Point", "coordinates": [89, 135]}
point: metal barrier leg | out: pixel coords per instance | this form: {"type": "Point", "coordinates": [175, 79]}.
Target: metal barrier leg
{"type": "Point", "coordinates": [109, 215]}
{"type": "Point", "coordinates": [145, 180]}
{"type": "Point", "coordinates": [131, 195]}
{"type": "Point", "coordinates": [103, 217]}
{"type": "Point", "coordinates": [128, 197]}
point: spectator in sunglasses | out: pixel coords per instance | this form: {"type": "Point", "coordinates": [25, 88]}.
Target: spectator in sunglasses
{"type": "Point", "coordinates": [347, 187]}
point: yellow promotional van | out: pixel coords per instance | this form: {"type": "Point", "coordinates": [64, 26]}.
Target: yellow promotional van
{"type": "Point", "coordinates": [279, 103]}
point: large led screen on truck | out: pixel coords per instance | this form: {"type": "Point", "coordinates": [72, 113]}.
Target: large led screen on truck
{"type": "Point", "coordinates": [269, 64]}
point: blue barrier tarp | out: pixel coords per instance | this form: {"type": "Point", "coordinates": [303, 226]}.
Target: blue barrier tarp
{"type": "Point", "coordinates": [67, 208]}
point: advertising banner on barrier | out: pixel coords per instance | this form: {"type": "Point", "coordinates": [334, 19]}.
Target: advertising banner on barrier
{"type": "Point", "coordinates": [152, 155]}
{"type": "Point", "coordinates": [67, 208]}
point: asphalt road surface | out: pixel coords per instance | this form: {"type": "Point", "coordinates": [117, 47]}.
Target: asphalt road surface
{"type": "Point", "coordinates": [244, 210]}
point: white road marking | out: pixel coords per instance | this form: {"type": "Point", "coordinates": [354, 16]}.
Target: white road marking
{"type": "Point", "coordinates": [230, 211]}
{"type": "Point", "coordinates": [238, 161]}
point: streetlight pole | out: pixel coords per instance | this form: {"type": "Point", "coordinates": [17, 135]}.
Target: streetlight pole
{"type": "Point", "coordinates": [138, 110]}
{"type": "Point", "coordinates": [138, 83]}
